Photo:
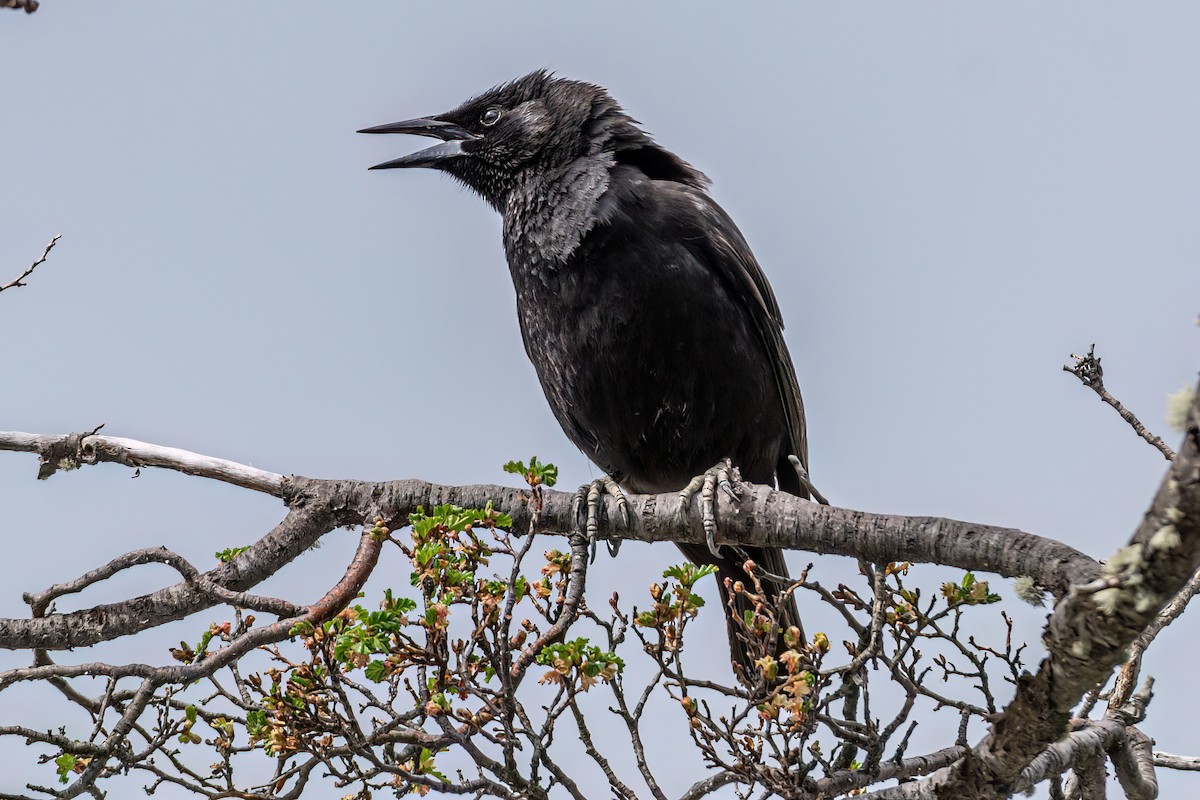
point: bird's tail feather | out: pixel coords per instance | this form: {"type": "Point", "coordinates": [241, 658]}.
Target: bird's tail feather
{"type": "Point", "coordinates": [763, 595]}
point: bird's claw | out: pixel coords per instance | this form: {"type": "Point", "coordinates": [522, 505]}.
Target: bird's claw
{"type": "Point", "coordinates": [723, 476]}
{"type": "Point", "coordinates": [589, 498]}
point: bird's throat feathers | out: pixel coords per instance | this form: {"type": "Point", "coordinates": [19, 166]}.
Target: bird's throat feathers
{"type": "Point", "coordinates": [546, 217]}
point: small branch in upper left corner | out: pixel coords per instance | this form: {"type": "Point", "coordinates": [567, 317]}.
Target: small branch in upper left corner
{"type": "Point", "coordinates": [1087, 368]}
{"type": "Point", "coordinates": [20, 279]}
{"type": "Point", "coordinates": [28, 6]}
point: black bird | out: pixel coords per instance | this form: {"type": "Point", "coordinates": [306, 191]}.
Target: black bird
{"type": "Point", "coordinates": [654, 332]}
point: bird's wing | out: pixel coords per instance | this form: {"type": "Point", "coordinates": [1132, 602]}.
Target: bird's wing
{"type": "Point", "coordinates": [705, 229]}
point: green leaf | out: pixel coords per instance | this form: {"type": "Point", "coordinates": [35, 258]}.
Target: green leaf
{"type": "Point", "coordinates": [536, 474]}
{"type": "Point", "coordinates": [376, 671]}
{"type": "Point", "coordinates": [688, 574]}
{"type": "Point", "coordinates": [404, 605]}
{"type": "Point", "coordinates": [200, 648]}
{"type": "Point", "coordinates": [256, 720]}
{"type": "Point", "coordinates": [230, 553]}
{"type": "Point", "coordinates": [426, 766]}
{"type": "Point", "coordinates": [65, 764]}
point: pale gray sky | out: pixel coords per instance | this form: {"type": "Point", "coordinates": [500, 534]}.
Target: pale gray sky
{"type": "Point", "coordinates": [948, 198]}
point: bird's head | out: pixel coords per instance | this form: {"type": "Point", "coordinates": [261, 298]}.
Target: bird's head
{"type": "Point", "coordinates": [534, 125]}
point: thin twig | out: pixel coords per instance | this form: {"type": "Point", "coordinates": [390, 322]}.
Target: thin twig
{"type": "Point", "coordinates": [570, 608]}
{"type": "Point", "coordinates": [20, 279]}
{"type": "Point", "coordinates": [878, 617]}
{"type": "Point", "coordinates": [1091, 374]}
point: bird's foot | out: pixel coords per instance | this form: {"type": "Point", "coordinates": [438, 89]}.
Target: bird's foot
{"type": "Point", "coordinates": [724, 476]}
{"type": "Point", "coordinates": [588, 507]}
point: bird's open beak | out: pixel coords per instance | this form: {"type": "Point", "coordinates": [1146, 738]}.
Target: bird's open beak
{"type": "Point", "coordinates": [452, 137]}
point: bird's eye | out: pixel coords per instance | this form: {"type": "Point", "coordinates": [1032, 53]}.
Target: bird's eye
{"type": "Point", "coordinates": [491, 116]}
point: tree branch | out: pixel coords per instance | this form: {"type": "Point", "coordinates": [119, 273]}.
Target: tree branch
{"type": "Point", "coordinates": [1091, 374]}
{"type": "Point", "coordinates": [569, 610]}
{"type": "Point", "coordinates": [30, 6]}
{"type": "Point", "coordinates": [160, 555]}
{"type": "Point", "coordinates": [1088, 778]}
{"type": "Point", "coordinates": [1133, 759]}
{"type": "Point", "coordinates": [706, 786]}
{"type": "Point", "coordinates": [763, 517]}
{"type": "Point", "coordinates": [71, 451]}
{"type": "Point", "coordinates": [299, 530]}
{"type": "Point", "coordinates": [332, 602]}
{"type": "Point", "coordinates": [1091, 627]}
{"type": "Point", "coordinates": [1084, 748]}
{"type": "Point", "coordinates": [1098, 616]}
{"type": "Point", "coordinates": [1172, 761]}
{"type": "Point", "coordinates": [1128, 676]}
{"type": "Point", "coordinates": [843, 781]}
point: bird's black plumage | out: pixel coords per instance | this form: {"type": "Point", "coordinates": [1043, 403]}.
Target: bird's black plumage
{"type": "Point", "coordinates": [654, 332]}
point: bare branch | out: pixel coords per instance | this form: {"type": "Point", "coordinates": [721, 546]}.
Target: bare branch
{"type": "Point", "coordinates": [160, 555]}
{"type": "Point", "coordinates": [299, 530]}
{"type": "Point", "coordinates": [133, 710]}
{"type": "Point", "coordinates": [1087, 368]}
{"type": "Point", "coordinates": [570, 608]}
{"type": "Point", "coordinates": [706, 786]}
{"type": "Point", "coordinates": [1172, 761]}
{"type": "Point", "coordinates": [847, 780]}
{"type": "Point", "coordinates": [70, 451]}
{"type": "Point", "coordinates": [323, 609]}
{"type": "Point", "coordinates": [30, 6]}
{"type": "Point", "coordinates": [1128, 676]}
{"type": "Point", "coordinates": [764, 517]}
{"type": "Point", "coordinates": [1083, 749]}
{"type": "Point", "coordinates": [1088, 631]}
{"type": "Point", "coordinates": [618, 787]}
{"type": "Point", "coordinates": [1088, 779]}
{"type": "Point", "coordinates": [1133, 760]}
